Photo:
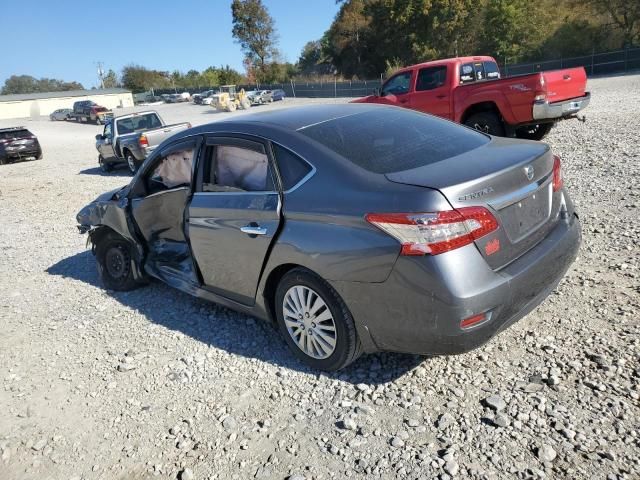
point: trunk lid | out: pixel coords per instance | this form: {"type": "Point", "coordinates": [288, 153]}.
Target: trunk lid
{"type": "Point", "coordinates": [565, 84]}
{"type": "Point", "coordinates": [513, 179]}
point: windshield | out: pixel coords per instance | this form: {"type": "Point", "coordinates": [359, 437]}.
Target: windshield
{"type": "Point", "coordinates": [138, 123]}
{"type": "Point", "coordinates": [392, 140]}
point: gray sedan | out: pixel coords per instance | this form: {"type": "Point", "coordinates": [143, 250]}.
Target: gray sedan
{"type": "Point", "coordinates": [60, 114]}
{"type": "Point", "coordinates": [355, 228]}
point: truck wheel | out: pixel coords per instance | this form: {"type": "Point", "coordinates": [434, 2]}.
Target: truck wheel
{"type": "Point", "coordinates": [486, 122]}
{"type": "Point", "coordinates": [115, 263]}
{"type": "Point", "coordinates": [534, 132]}
{"type": "Point", "coordinates": [131, 163]}
{"type": "Point", "coordinates": [104, 166]}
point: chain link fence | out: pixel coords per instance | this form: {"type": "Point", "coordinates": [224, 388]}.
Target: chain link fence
{"type": "Point", "coordinates": [606, 63]}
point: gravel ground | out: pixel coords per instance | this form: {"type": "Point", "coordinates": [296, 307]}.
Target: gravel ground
{"type": "Point", "coordinates": [154, 383]}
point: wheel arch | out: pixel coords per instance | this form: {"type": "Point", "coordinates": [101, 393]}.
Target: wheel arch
{"type": "Point", "coordinates": [271, 285]}
{"type": "Point", "coordinates": [487, 106]}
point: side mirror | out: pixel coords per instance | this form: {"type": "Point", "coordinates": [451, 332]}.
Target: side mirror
{"type": "Point", "coordinates": [99, 137]}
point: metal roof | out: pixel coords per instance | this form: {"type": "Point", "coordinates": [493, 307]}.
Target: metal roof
{"type": "Point", "coordinates": [68, 93]}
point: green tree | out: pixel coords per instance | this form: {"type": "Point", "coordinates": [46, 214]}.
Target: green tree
{"type": "Point", "coordinates": [17, 84]}
{"type": "Point", "coordinates": [625, 15]}
{"type": "Point", "coordinates": [110, 80]}
{"type": "Point", "coordinates": [140, 79]}
{"type": "Point", "coordinates": [310, 57]}
{"type": "Point", "coordinates": [254, 30]}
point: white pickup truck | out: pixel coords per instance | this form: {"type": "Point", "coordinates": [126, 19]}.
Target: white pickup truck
{"type": "Point", "coordinates": [131, 138]}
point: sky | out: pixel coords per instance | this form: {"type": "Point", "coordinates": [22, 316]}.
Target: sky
{"type": "Point", "coordinates": [66, 39]}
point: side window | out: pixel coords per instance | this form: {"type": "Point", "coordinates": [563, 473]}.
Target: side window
{"type": "Point", "coordinates": [431, 78]}
{"type": "Point", "coordinates": [107, 131]}
{"type": "Point", "coordinates": [292, 168]}
{"type": "Point", "coordinates": [236, 169]}
{"type": "Point", "coordinates": [397, 85]}
{"type": "Point", "coordinates": [173, 170]}
{"type": "Point", "coordinates": [479, 68]}
{"type": "Point", "coordinates": [491, 70]}
{"type": "Point", "coordinates": [467, 74]}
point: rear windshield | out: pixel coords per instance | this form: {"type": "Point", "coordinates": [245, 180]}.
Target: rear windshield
{"type": "Point", "coordinates": [393, 140]}
{"type": "Point", "coordinates": [137, 123]}
{"type": "Point", "coordinates": [15, 134]}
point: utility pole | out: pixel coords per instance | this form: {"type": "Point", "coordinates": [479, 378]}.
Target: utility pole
{"type": "Point", "coordinates": [100, 66]}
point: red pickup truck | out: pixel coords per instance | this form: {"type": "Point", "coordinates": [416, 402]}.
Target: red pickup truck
{"type": "Point", "coordinates": [469, 90]}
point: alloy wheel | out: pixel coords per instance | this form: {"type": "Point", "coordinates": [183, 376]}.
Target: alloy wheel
{"type": "Point", "coordinates": [132, 163]}
{"type": "Point", "coordinates": [309, 322]}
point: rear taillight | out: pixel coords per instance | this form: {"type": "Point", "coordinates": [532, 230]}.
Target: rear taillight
{"type": "Point", "coordinates": [437, 232]}
{"type": "Point", "coordinates": [558, 181]}
{"type": "Point", "coordinates": [541, 91]}
{"type": "Point", "coordinates": [142, 141]}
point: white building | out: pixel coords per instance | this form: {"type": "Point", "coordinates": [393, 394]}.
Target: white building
{"type": "Point", "coordinates": [36, 104]}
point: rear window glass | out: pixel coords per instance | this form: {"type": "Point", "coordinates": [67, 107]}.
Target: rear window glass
{"type": "Point", "coordinates": [393, 140]}
{"type": "Point", "coordinates": [15, 134]}
{"type": "Point", "coordinates": [292, 168]}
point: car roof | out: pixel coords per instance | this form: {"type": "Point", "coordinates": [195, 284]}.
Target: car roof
{"type": "Point", "coordinates": [298, 118]}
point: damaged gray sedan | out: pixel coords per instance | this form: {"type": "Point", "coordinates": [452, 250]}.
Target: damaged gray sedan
{"type": "Point", "coordinates": [356, 228]}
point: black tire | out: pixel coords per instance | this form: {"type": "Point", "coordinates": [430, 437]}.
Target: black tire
{"type": "Point", "coordinates": [104, 166]}
{"type": "Point", "coordinates": [534, 132]}
{"type": "Point", "coordinates": [132, 163]}
{"type": "Point", "coordinates": [347, 344]}
{"type": "Point", "coordinates": [486, 122]}
{"type": "Point", "coordinates": [114, 258]}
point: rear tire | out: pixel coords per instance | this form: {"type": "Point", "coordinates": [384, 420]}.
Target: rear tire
{"type": "Point", "coordinates": [534, 132]}
{"type": "Point", "coordinates": [114, 259]}
{"type": "Point", "coordinates": [132, 163]}
{"type": "Point", "coordinates": [486, 122]}
{"type": "Point", "coordinates": [318, 327]}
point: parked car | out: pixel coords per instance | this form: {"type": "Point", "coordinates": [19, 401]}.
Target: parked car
{"type": "Point", "coordinates": [469, 90]}
{"type": "Point", "coordinates": [18, 143]}
{"type": "Point", "coordinates": [275, 95]}
{"type": "Point", "coordinates": [129, 139]}
{"type": "Point", "coordinates": [89, 111]}
{"type": "Point", "coordinates": [199, 98]}
{"type": "Point", "coordinates": [60, 114]}
{"type": "Point", "coordinates": [434, 238]}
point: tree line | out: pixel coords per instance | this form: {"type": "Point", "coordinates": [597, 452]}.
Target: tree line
{"type": "Point", "coordinates": [371, 37]}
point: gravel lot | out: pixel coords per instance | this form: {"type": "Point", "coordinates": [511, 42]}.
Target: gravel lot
{"type": "Point", "coordinates": [155, 383]}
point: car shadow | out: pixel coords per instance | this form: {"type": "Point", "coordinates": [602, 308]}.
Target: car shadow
{"type": "Point", "coordinates": [222, 328]}
{"type": "Point", "coordinates": [120, 171]}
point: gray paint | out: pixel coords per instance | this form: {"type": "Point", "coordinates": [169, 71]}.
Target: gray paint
{"type": "Point", "coordinates": [412, 304]}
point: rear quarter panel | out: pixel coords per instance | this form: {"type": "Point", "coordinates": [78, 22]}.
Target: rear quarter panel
{"type": "Point", "coordinates": [513, 97]}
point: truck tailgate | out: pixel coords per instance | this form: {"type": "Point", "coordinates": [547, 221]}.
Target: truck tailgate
{"type": "Point", "coordinates": [565, 84]}
{"type": "Point", "coordinates": [158, 135]}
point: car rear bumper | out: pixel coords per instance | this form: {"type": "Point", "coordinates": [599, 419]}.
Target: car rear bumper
{"type": "Point", "coordinates": [21, 153]}
{"type": "Point", "coordinates": [418, 309]}
{"type": "Point", "coordinates": [543, 110]}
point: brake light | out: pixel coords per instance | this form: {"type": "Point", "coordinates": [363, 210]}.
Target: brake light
{"type": "Point", "coordinates": [541, 91]}
{"type": "Point", "coordinates": [437, 232]}
{"type": "Point", "coordinates": [558, 181]}
{"type": "Point", "coordinates": [142, 141]}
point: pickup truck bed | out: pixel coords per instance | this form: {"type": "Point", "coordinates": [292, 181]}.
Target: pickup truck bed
{"type": "Point", "coordinates": [129, 139]}
{"type": "Point", "coordinates": [469, 90]}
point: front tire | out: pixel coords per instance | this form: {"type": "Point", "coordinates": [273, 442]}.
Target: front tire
{"type": "Point", "coordinates": [114, 256]}
{"type": "Point", "coordinates": [315, 322]}
{"type": "Point", "coordinates": [104, 166]}
{"type": "Point", "coordinates": [486, 122]}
